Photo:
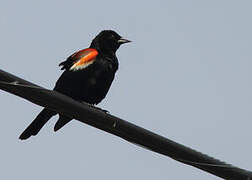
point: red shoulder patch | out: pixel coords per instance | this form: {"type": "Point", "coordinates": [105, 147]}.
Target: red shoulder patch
{"type": "Point", "coordinates": [84, 58]}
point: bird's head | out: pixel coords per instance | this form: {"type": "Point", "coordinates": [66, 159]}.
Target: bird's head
{"type": "Point", "coordinates": [108, 41]}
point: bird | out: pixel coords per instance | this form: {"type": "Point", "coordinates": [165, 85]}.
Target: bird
{"type": "Point", "coordinates": [87, 77]}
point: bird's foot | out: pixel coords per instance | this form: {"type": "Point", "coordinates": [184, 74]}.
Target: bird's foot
{"type": "Point", "coordinates": [100, 109]}
{"type": "Point", "coordinates": [95, 107]}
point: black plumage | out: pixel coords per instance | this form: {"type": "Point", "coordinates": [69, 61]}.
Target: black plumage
{"type": "Point", "coordinates": [87, 77]}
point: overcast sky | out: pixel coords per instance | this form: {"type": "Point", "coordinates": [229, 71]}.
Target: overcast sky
{"type": "Point", "coordinates": [186, 76]}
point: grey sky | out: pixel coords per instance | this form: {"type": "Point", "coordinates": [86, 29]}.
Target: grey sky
{"type": "Point", "coordinates": [189, 62]}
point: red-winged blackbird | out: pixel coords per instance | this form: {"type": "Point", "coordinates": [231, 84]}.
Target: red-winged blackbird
{"type": "Point", "coordinates": [87, 77]}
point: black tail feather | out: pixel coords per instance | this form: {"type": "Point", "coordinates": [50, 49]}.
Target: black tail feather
{"type": "Point", "coordinates": [63, 120]}
{"type": "Point", "coordinates": [37, 123]}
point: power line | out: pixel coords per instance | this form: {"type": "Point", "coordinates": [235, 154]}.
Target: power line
{"type": "Point", "coordinates": [121, 128]}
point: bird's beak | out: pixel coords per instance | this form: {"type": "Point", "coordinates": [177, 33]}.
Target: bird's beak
{"type": "Point", "coordinates": [122, 41]}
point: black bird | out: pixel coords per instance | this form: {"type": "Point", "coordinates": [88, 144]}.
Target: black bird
{"type": "Point", "coordinates": [87, 77]}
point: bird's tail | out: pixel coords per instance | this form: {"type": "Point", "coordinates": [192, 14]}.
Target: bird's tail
{"type": "Point", "coordinates": [63, 120]}
{"type": "Point", "coordinates": [37, 123]}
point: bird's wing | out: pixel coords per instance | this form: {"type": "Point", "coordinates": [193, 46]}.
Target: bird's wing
{"type": "Point", "coordinates": [79, 60]}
